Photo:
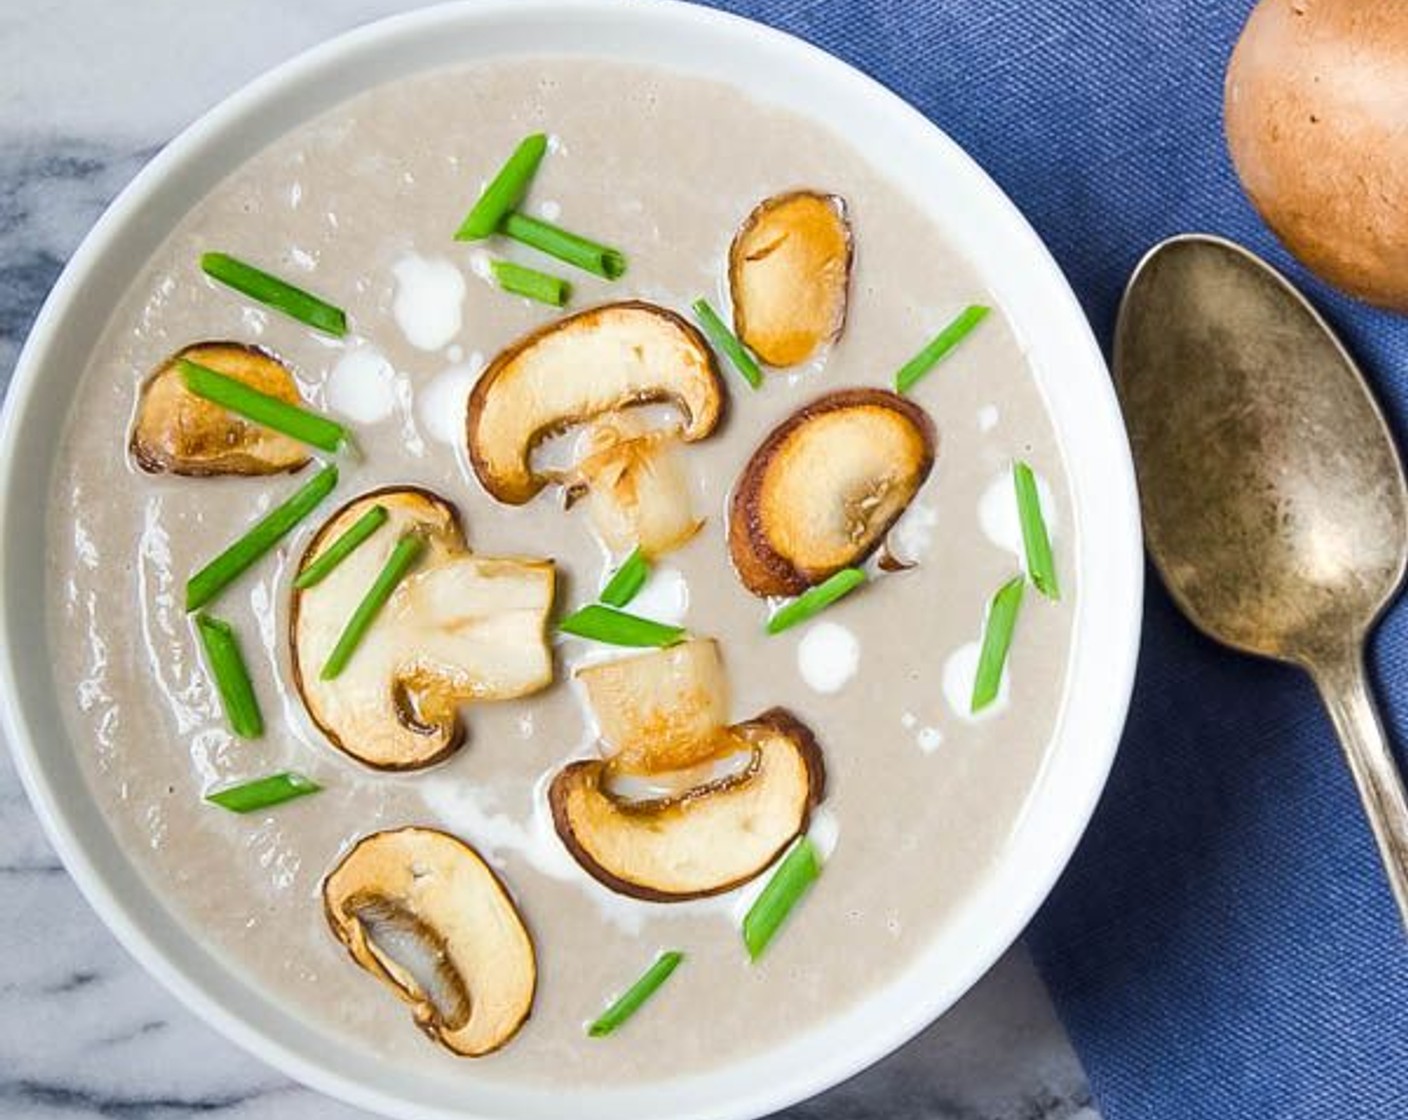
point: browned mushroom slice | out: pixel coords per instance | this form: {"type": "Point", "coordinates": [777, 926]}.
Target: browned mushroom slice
{"type": "Point", "coordinates": [788, 270]}
{"type": "Point", "coordinates": [824, 487]}
{"type": "Point", "coordinates": [598, 361]}
{"type": "Point", "coordinates": [423, 913]}
{"type": "Point", "coordinates": [706, 841]}
{"type": "Point", "coordinates": [662, 710]}
{"type": "Point", "coordinates": [181, 433]}
{"type": "Point", "coordinates": [635, 488]}
{"type": "Point", "coordinates": [461, 628]}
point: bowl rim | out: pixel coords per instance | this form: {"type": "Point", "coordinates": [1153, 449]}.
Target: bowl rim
{"type": "Point", "coordinates": [1106, 508]}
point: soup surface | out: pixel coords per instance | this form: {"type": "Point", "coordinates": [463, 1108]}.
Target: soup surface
{"type": "Point", "coordinates": [360, 206]}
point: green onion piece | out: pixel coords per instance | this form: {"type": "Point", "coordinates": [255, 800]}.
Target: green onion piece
{"type": "Point", "coordinates": [727, 342]}
{"type": "Point", "coordinates": [577, 251]}
{"type": "Point", "coordinates": [401, 560]}
{"type": "Point", "coordinates": [816, 599]}
{"type": "Point", "coordinates": [207, 583]}
{"type": "Point", "coordinates": [342, 548]}
{"type": "Point", "coordinates": [222, 654]}
{"type": "Point", "coordinates": [784, 890]}
{"type": "Point", "coordinates": [942, 343]}
{"type": "Point", "coordinates": [617, 628]}
{"type": "Point", "coordinates": [997, 639]}
{"type": "Point", "coordinates": [276, 293]}
{"type": "Point", "coordinates": [630, 1002]}
{"type": "Point", "coordinates": [264, 793]}
{"type": "Point", "coordinates": [294, 422]}
{"type": "Point", "coordinates": [627, 581]}
{"type": "Point", "coordinates": [1040, 565]}
{"type": "Point", "coordinates": [505, 190]}
{"type": "Point", "coordinates": [522, 281]}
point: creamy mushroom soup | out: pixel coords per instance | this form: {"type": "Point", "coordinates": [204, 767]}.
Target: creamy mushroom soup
{"type": "Point", "coordinates": [913, 796]}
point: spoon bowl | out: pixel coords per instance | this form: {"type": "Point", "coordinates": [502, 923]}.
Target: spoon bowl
{"type": "Point", "coordinates": [1274, 501]}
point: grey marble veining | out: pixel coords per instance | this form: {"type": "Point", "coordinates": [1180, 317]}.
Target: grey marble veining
{"type": "Point", "coordinates": [51, 191]}
{"type": "Point", "coordinates": [87, 95]}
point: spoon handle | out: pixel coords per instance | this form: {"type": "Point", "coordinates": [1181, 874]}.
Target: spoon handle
{"type": "Point", "coordinates": [1344, 687]}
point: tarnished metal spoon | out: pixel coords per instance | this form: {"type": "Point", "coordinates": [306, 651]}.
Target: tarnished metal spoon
{"type": "Point", "coordinates": [1274, 502]}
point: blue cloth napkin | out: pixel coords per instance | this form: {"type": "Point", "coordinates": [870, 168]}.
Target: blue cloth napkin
{"type": "Point", "coordinates": [1223, 945]}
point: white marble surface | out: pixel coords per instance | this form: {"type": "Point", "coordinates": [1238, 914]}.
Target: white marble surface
{"type": "Point", "coordinates": [88, 90]}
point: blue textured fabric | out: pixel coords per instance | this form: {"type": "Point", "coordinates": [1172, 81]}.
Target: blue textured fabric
{"type": "Point", "coordinates": [1223, 945]}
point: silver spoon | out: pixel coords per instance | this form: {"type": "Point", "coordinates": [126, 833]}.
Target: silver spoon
{"type": "Point", "coordinates": [1274, 502]}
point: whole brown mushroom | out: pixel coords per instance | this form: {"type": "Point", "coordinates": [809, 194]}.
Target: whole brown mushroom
{"type": "Point", "coordinates": [1317, 125]}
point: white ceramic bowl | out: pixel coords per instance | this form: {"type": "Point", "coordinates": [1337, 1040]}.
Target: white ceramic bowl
{"type": "Point", "coordinates": [959, 197]}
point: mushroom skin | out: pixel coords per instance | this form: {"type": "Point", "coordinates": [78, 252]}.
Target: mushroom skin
{"type": "Point", "coordinates": [601, 360]}
{"type": "Point", "coordinates": [789, 270]}
{"type": "Point", "coordinates": [825, 486]}
{"type": "Point", "coordinates": [460, 628]}
{"type": "Point", "coordinates": [177, 432]}
{"type": "Point", "coordinates": [429, 889]}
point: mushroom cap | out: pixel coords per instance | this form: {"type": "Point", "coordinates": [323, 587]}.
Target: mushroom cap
{"type": "Point", "coordinates": [707, 841]}
{"type": "Point", "coordinates": [789, 269]}
{"type": "Point", "coordinates": [601, 360]}
{"type": "Point", "coordinates": [177, 432]}
{"type": "Point", "coordinates": [423, 913]}
{"type": "Point", "coordinates": [825, 486]}
{"type": "Point", "coordinates": [460, 628]}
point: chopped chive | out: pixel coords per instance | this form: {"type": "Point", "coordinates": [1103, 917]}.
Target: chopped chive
{"type": "Point", "coordinates": [342, 548]}
{"type": "Point", "coordinates": [275, 293]}
{"type": "Point", "coordinates": [793, 878]}
{"type": "Point", "coordinates": [617, 628]}
{"type": "Point", "coordinates": [523, 281]}
{"type": "Point", "coordinates": [263, 535]}
{"type": "Point", "coordinates": [627, 581]}
{"type": "Point", "coordinates": [816, 599]}
{"type": "Point", "coordinates": [294, 422]}
{"type": "Point", "coordinates": [555, 242]}
{"type": "Point", "coordinates": [264, 793]}
{"type": "Point", "coordinates": [942, 343]}
{"type": "Point", "coordinates": [631, 1000]}
{"type": "Point", "coordinates": [726, 341]}
{"type": "Point", "coordinates": [401, 560]}
{"type": "Point", "coordinates": [1040, 565]}
{"type": "Point", "coordinates": [222, 653]}
{"type": "Point", "coordinates": [505, 190]}
{"type": "Point", "coordinates": [997, 639]}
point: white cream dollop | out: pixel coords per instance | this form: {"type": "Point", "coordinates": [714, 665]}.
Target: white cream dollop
{"type": "Point", "coordinates": [960, 671]}
{"type": "Point", "coordinates": [481, 264]}
{"type": "Point", "coordinates": [929, 739]}
{"type": "Point", "coordinates": [664, 598]}
{"type": "Point", "coordinates": [479, 814]}
{"type": "Point", "coordinates": [442, 401]}
{"type": "Point", "coordinates": [997, 514]}
{"type": "Point", "coordinates": [828, 656]}
{"type": "Point", "coordinates": [824, 831]}
{"type": "Point", "coordinates": [362, 386]}
{"type": "Point", "coordinates": [429, 302]}
{"type": "Point", "coordinates": [913, 534]}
